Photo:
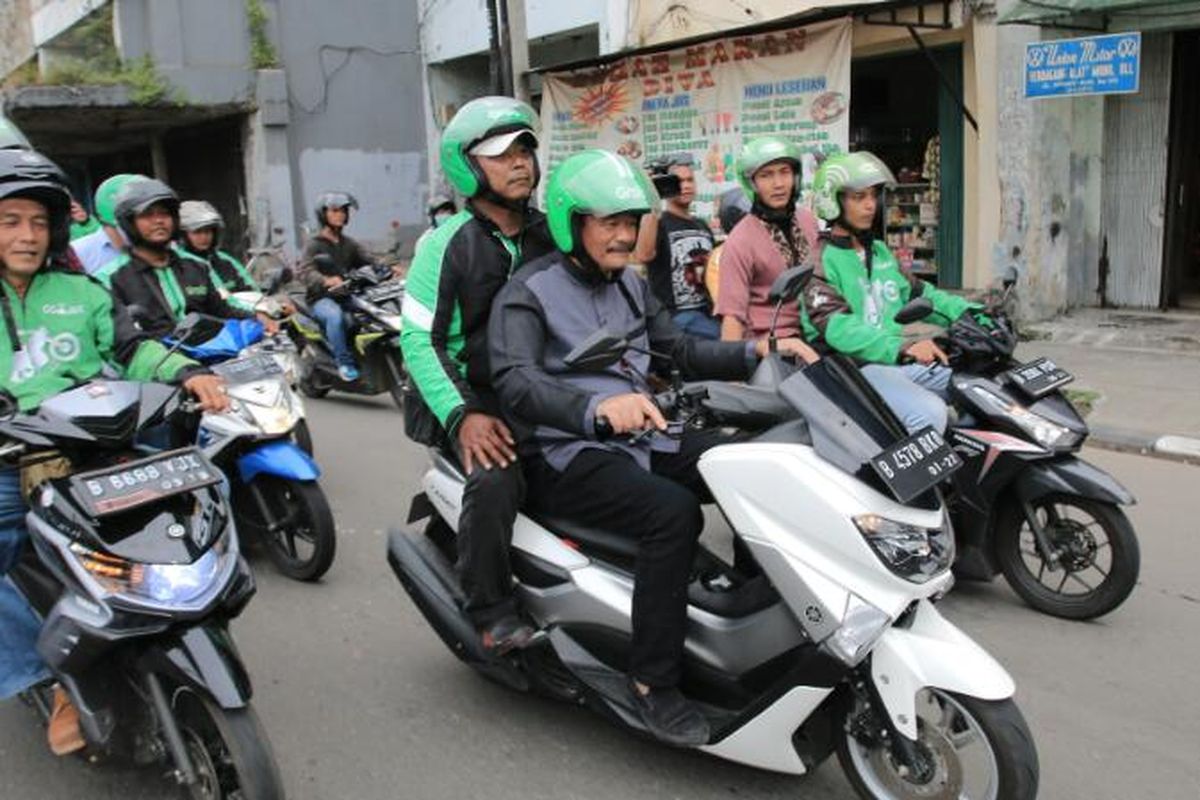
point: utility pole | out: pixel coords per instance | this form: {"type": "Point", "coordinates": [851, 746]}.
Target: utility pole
{"type": "Point", "coordinates": [509, 61]}
{"type": "Point", "coordinates": [496, 67]}
{"type": "Point", "coordinates": [518, 47]}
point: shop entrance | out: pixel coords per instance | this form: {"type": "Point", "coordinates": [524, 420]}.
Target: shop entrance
{"type": "Point", "coordinates": [901, 111]}
{"type": "Point", "coordinates": [1181, 243]}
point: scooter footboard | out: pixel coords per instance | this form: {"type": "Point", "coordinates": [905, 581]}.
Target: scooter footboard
{"type": "Point", "coordinates": [932, 652]}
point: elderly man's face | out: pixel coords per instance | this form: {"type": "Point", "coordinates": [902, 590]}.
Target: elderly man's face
{"type": "Point", "coordinates": [610, 240]}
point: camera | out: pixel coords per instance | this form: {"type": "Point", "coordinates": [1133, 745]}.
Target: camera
{"type": "Point", "coordinates": [665, 183]}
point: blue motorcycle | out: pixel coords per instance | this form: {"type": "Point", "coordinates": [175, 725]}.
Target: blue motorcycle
{"type": "Point", "coordinates": [273, 480]}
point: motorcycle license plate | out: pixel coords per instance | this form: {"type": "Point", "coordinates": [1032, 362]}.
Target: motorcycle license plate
{"type": "Point", "coordinates": [248, 370]}
{"type": "Point", "coordinates": [135, 483]}
{"type": "Point", "coordinates": [916, 463]}
{"type": "Point", "coordinates": [1039, 378]}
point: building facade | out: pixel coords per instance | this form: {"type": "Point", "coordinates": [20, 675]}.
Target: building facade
{"type": "Point", "coordinates": [1073, 192]}
{"type": "Point", "coordinates": [255, 105]}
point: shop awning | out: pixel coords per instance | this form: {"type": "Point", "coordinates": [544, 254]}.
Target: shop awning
{"type": "Point", "coordinates": [1105, 15]}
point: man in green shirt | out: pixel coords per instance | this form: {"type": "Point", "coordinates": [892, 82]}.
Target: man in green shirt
{"type": "Point", "coordinates": [59, 329]}
{"type": "Point", "coordinates": [851, 302]}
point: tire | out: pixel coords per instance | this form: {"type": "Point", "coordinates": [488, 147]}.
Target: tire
{"type": "Point", "coordinates": [308, 385]}
{"type": "Point", "coordinates": [1004, 755]}
{"type": "Point", "coordinates": [1102, 573]}
{"type": "Point", "coordinates": [229, 750]}
{"type": "Point", "coordinates": [302, 436]}
{"type": "Point", "coordinates": [310, 520]}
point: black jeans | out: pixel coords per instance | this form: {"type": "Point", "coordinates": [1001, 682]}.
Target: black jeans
{"type": "Point", "coordinates": [490, 503]}
{"type": "Point", "coordinates": [661, 509]}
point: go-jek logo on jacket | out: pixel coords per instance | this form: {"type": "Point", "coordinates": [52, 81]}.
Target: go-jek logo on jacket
{"type": "Point", "coordinates": [41, 349]}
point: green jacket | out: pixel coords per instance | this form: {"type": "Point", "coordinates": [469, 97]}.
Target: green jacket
{"type": "Point", "coordinates": [849, 304]}
{"type": "Point", "coordinates": [68, 330]}
{"type": "Point", "coordinates": [455, 274]}
{"type": "Point", "coordinates": [80, 229]}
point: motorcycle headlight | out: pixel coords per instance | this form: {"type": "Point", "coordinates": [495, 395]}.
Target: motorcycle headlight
{"type": "Point", "coordinates": [914, 553]}
{"type": "Point", "coordinates": [160, 585]}
{"type": "Point", "coordinates": [1046, 433]}
{"type": "Point", "coordinates": [861, 626]}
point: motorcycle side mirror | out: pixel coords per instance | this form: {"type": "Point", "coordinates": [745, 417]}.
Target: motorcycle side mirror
{"type": "Point", "coordinates": [914, 310]}
{"type": "Point", "coordinates": [1010, 277]}
{"type": "Point", "coordinates": [197, 327]}
{"type": "Point", "coordinates": [598, 351]}
{"type": "Point", "coordinates": [789, 284]}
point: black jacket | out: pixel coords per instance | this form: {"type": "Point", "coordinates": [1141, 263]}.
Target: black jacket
{"type": "Point", "coordinates": [550, 307]}
{"type": "Point", "coordinates": [137, 283]}
{"type": "Point", "coordinates": [456, 273]}
{"type": "Point", "coordinates": [346, 254]}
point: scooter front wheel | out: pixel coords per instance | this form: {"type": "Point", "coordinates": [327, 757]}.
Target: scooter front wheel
{"type": "Point", "coordinates": [1098, 556]}
{"type": "Point", "coordinates": [969, 749]}
{"type": "Point", "coordinates": [297, 528]}
{"type": "Point", "coordinates": [228, 749]}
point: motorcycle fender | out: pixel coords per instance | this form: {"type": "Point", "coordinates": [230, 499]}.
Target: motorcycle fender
{"type": "Point", "coordinates": [282, 458]}
{"type": "Point", "coordinates": [932, 652]}
{"type": "Point", "coordinates": [204, 659]}
{"type": "Point", "coordinates": [1070, 475]}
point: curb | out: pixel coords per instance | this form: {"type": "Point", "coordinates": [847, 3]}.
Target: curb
{"type": "Point", "coordinates": [1184, 449]}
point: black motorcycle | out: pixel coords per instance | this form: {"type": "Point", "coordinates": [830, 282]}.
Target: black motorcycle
{"type": "Point", "coordinates": [1024, 503]}
{"type": "Point", "coordinates": [371, 299]}
{"type": "Point", "coordinates": [134, 568]}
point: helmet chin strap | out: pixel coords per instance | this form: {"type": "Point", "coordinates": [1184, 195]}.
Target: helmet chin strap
{"type": "Point", "coordinates": [492, 196]}
{"type": "Point", "coordinates": [775, 215]}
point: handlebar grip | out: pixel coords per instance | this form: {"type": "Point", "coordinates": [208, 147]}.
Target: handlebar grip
{"type": "Point", "coordinates": [603, 429]}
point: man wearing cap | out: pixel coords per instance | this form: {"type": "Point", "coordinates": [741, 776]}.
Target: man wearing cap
{"type": "Point", "coordinates": [675, 248]}
{"type": "Point", "coordinates": [487, 153]}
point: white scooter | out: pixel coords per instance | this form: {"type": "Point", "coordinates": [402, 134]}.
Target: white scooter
{"type": "Point", "coordinates": [826, 639]}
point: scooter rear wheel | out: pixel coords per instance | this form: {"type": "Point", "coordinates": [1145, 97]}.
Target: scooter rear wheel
{"type": "Point", "coordinates": [975, 750]}
{"type": "Point", "coordinates": [304, 546]}
{"type": "Point", "coordinates": [1099, 556]}
{"type": "Point", "coordinates": [229, 750]}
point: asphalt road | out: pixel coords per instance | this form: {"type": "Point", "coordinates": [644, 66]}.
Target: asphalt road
{"type": "Point", "coordinates": [362, 701]}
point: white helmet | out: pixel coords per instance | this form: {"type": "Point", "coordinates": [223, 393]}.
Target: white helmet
{"type": "Point", "coordinates": [196, 215]}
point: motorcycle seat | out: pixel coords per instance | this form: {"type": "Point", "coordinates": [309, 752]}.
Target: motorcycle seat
{"type": "Point", "coordinates": [602, 543]}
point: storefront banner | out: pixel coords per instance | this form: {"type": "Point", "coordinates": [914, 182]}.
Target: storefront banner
{"type": "Point", "coordinates": [654, 22]}
{"type": "Point", "coordinates": [1090, 65]}
{"type": "Point", "coordinates": [706, 99]}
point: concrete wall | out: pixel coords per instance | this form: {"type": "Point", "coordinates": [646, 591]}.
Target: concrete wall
{"type": "Point", "coordinates": [202, 48]}
{"type": "Point", "coordinates": [354, 81]}
{"type": "Point", "coordinates": [451, 29]}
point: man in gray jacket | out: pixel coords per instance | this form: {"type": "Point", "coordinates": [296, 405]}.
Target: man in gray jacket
{"type": "Point", "coordinates": [648, 489]}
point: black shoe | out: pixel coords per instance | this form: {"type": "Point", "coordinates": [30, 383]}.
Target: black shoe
{"type": "Point", "coordinates": [507, 633]}
{"type": "Point", "coordinates": [668, 715]}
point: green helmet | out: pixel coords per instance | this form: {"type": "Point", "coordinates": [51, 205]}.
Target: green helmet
{"type": "Point", "coordinates": [478, 120]}
{"type": "Point", "coordinates": [759, 152]}
{"type": "Point", "coordinates": [106, 196]}
{"type": "Point", "coordinates": [854, 171]}
{"type": "Point", "coordinates": [594, 182]}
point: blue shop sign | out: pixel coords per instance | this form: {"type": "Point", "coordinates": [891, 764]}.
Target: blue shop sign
{"type": "Point", "coordinates": [1107, 64]}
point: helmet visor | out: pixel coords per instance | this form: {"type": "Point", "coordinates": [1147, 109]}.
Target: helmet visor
{"type": "Point", "coordinates": [610, 185]}
{"type": "Point", "coordinates": [497, 145]}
